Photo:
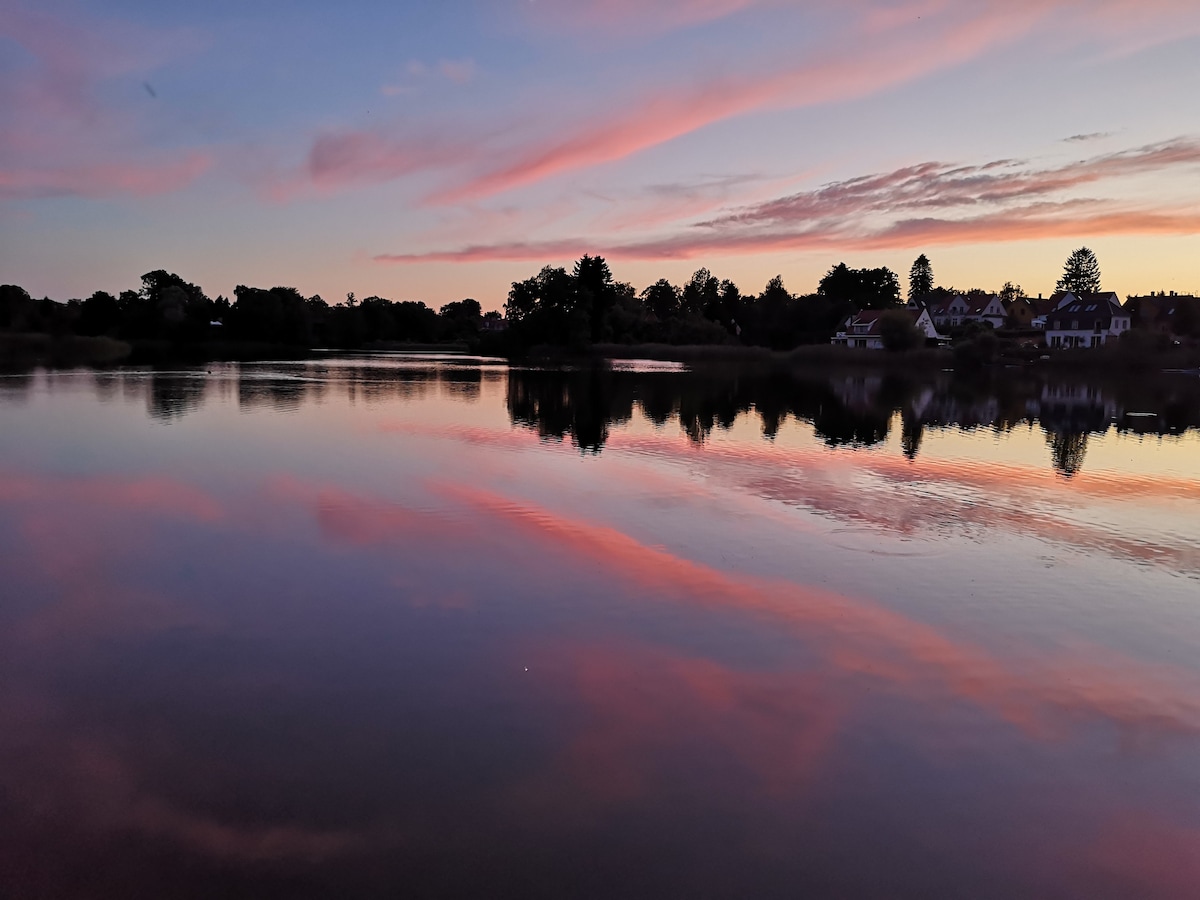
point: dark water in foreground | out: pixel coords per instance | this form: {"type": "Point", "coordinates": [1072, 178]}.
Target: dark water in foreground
{"type": "Point", "coordinates": [406, 627]}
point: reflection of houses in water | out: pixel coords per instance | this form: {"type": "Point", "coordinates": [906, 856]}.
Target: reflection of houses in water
{"type": "Point", "coordinates": [1071, 407]}
{"type": "Point", "coordinates": [931, 407]}
{"type": "Point", "coordinates": [857, 392]}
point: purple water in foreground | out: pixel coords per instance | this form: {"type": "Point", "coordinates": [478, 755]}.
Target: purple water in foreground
{"type": "Point", "coordinates": [393, 626]}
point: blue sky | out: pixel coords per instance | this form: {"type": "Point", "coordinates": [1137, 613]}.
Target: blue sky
{"type": "Point", "coordinates": [436, 151]}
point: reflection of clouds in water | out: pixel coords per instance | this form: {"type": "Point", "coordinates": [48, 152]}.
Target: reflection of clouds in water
{"type": "Point", "coordinates": [939, 498]}
{"type": "Point", "coordinates": [643, 719]}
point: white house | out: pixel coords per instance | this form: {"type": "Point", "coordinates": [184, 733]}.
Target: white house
{"type": "Point", "coordinates": [960, 309]}
{"type": "Point", "coordinates": [862, 329]}
{"type": "Point", "coordinates": [987, 308]}
{"type": "Point", "coordinates": [1086, 320]}
{"type": "Point", "coordinates": [950, 313]}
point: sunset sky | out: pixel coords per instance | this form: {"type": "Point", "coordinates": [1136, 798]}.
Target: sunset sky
{"type": "Point", "coordinates": [435, 151]}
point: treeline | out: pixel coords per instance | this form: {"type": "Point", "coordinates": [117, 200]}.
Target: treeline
{"type": "Point", "coordinates": [586, 305]}
{"type": "Point", "coordinates": [167, 308]}
{"type": "Point", "coordinates": [560, 308]}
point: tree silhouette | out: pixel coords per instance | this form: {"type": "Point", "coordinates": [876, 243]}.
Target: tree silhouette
{"type": "Point", "coordinates": [862, 288]}
{"type": "Point", "coordinates": [662, 298]}
{"type": "Point", "coordinates": [920, 277]}
{"type": "Point", "coordinates": [1010, 292]}
{"type": "Point", "coordinates": [1081, 273]}
{"type": "Point", "coordinates": [897, 331]}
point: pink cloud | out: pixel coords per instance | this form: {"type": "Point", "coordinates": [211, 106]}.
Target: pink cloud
{"type": "Point", "coordinates": [57, 136]}
{"type": "Point", "coordinates": [631, 16]}
{"type": "Point", "coordinates": [1011, 201]}
{"type": "Point", "coordinates": [105, 180]}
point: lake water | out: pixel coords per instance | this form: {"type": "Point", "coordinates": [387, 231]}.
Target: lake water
{"type": "Point", "coordinates": [427, 626]}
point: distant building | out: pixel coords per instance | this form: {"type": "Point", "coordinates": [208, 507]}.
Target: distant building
{"type": "Point", "coordinates": [1019, 313]}
{"type": "Point", "coordinates": [959, 309]}
{"type": "Point", "coordinates": [1085, 320]}
{"type": "Point", "coordinates": [1163, 313]}
{"type": "Point", "coordinates": [949, 312]}
{"type": "Point", "coordinates": [986, 308]}
{"type": "Point", "coordinates": [862, 329]}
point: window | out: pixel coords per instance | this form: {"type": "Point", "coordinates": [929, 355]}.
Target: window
{"type": "Point", "coordinates": [1074, 324]}
{"type": "Point", "coordinates": [1057, 325]}
{"type": "Point", "coordinates": [1096, 340]}
{"type": "Point", "coordinates": [1097, 329]}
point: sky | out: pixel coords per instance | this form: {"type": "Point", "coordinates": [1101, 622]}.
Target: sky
{"type": "Point", "coordinates": [435, 151]}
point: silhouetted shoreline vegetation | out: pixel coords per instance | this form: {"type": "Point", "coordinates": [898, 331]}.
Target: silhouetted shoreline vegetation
{"type": "Point", "coordinates": [584, 405]}
{"type": "Point", "coordinates": [555, 315]}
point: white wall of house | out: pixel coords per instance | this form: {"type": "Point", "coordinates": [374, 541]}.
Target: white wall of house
{"type": "Point", "coordinates": [1086, 337]}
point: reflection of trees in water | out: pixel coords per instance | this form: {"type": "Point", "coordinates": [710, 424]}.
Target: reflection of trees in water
{"type": "Point", "coordinates": [263, 391]}
{"type": "Point", "coordinates": [579, 403]}
{"type": "Point", "coordinates": [910, 438]}
{"type": "Point", "coordinates": [172, 395]}
{"type": "Point", "coordinates": [583, 404]}
{"type": "Point", "coordinates": [462, 384]}
{"type": "Point", "coordinates": [1067, 451]}
{"type": "Point", "coordinates": [15, 388]}
{"type": "Point", "coordinates": [852, 409]}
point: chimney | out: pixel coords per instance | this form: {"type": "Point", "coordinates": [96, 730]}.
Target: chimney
{"type": "Point", "coordinates": [1039, 295]}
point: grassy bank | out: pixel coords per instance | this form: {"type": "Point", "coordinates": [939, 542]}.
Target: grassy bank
{"type": "Point", "coordinates": [22, 351]}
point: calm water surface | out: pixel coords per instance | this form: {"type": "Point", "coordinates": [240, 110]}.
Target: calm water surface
{"type": "Point", "coordinates": [400, 626]}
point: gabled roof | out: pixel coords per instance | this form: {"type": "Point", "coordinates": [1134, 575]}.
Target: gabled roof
{"type": "Point", "coordinates": [1087, 310]}
{"type": "Point", "coordinates": [872, 317]}
{"type": "Point", "coordinates": [1062, 298]}
{"type": "Point", "coordinates": [978, 303]}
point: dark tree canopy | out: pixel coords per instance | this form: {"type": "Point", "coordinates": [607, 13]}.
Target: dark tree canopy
{"type": "Point", "coordinates": [662, 298]}
{"type": "Point", "coordinates": [897, 331]}
{"type": "Point", "coordinates": [920, 277]}
{"type": "Point", "coordinates": [861, 288]}
{"type": "Point", "coordinates": [1011, 292]}
{"type": "Point", "coordinates": [1081, 273]}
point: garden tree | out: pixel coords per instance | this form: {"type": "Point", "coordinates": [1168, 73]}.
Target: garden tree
{"type": "Point", "coordinates": [594, 286]}
{"type": "Point", "coordinates": [99, 314]}
{"type": "Point", "coordinates": [1010, 292]}
{"type": "Point", "coordinates": [1081, 273]}
{"type": "Point", "coordinates": [547, 309]}
{"type": "Point", "coordinates": [662, 299]}
{"type": "Point", "coordinates": [861, 288]}
{"type": "Point", "coordinates": [15, 306]}
{"type": "Point", "coordinates": [412, 321]}
{"type": "Point", "coordinates": [461, 319]}
{"type": "Point", "coordinates": [897, 331]}
{"type": "Point", "coordinates": [920, 277]}
{"type": "Point", "coordinates": [702, 292]}
{"type": "Point", "coordinates": [629, 320]}
{"type": "Point", "coordinates": [729, 307]}
{"type": "Point", "coordinates": [774, 320]}
{"type": "Point", "coordinates": [278, 316]}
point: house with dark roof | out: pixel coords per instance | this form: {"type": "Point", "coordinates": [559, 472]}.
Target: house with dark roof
{"type": "Point", "coordinates": [986, 308]}
{"type": "Point", "coordinates": [957, 310]}
{"type": "Point", "coordinates": [1163, 313]}
{"type": "Point", "coordinates": [1086, 320]}
{"type": "Point", "coordinates": [862, 329]}
{"type": "Point", "coordinates": [949, 312]}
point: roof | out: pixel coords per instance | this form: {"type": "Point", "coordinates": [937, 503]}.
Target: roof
{"type": "Point", "coordinates": [1061, 297]}
{"type": "Point", "coordinates": [872, 318]}
{"type": "Point", "coordinates": [1087, 310]}
{"type": "Point", "coordinates": [978, 303]}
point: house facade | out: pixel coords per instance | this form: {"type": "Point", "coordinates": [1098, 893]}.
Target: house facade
{"type": "Point", "coordinates": [957, 311]}
{"type": "Point", "coordinates": [862, 329]}
{"type": "Point", "coordinates": [1086, 320]}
